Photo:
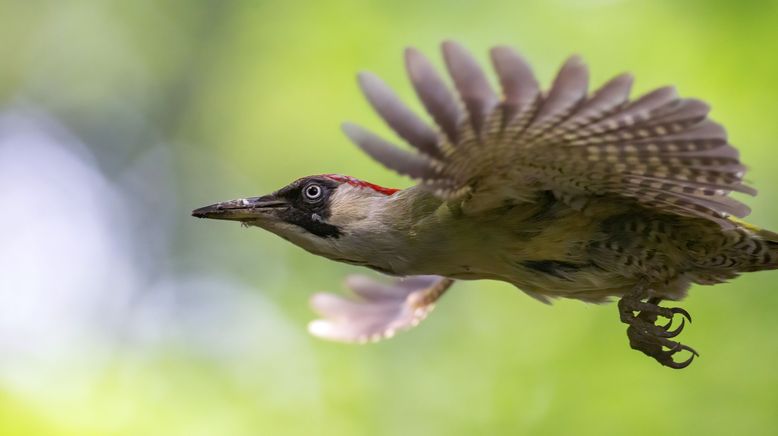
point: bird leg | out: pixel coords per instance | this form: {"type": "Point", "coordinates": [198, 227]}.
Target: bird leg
{"type": "Point", "coordinates": [646, 336]}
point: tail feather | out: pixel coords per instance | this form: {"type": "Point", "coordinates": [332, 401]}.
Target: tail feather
{"type": "Point", "coordinates": [759, 251]}
{"type": "Point", "coordinates": [768, 260]}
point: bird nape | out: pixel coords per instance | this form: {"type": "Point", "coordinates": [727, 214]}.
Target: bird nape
{"type": "Point", "coordinates": [563, 194]}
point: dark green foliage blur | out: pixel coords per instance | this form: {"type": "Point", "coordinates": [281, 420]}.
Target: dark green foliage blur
{"type": "Point", "coordinates": [226, 99]}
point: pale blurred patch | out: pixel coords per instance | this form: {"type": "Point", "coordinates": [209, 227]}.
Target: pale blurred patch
{"type": "Point", "coordinates": [85, 320]}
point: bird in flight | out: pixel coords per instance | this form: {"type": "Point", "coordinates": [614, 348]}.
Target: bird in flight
{"type": "Point", "coordinates": [562, 193]}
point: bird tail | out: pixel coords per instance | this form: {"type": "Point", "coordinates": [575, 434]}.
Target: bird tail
{"type": "Point", "coordinates": [759, 251]}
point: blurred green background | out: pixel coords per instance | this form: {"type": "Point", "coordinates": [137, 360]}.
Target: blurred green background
{"type": "Point", "coordinates": [122, 315]}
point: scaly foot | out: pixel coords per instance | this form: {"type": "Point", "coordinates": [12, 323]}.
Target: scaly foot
{"type": "Point", "coordinates": [644, 335]}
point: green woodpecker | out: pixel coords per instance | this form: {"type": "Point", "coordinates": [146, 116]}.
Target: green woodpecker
{"type": "Point", "coordinates": [562, 193]}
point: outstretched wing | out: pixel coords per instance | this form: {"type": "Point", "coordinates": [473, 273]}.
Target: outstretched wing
{"type": "Point", "coordinates": [379, 310]}
{"type": "Point", "coordinates": [659, 149]}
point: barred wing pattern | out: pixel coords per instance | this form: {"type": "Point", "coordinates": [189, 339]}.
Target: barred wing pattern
{"type": "Point", "coordinates": [659, 149]}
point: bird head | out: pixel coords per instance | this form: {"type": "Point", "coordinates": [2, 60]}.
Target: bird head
{"type": "Point", "coordinates": [324, 214]}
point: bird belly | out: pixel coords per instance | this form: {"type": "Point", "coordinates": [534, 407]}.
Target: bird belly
{"type": "Point", "coordinates": [551, 279]}
{"type": "Point", "coordinates": [587, 284]}
{"type": "Point", "coordinates": [550, 250]}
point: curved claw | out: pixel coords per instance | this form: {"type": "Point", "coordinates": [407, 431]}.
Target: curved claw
{"type": "Point", "coordinates": [683, 312]}
{"type": "Point", "coordinates": [690, 349]}
{"type": "Point", "coordinates": [676, 311]}
{"type": "Point", "coordinates": [680, 365]}
{"type": "Point", "coordinates": [677, 331]}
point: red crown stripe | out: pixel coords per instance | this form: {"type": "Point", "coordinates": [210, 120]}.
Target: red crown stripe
{"type": "Point", "coordinates": [361, 184]}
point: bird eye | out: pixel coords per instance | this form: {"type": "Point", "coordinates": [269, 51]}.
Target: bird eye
{"type": "Point", "coordinates": [313, 192]}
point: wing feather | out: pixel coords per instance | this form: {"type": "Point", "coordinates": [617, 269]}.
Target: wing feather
{"type": "Point", "coordinates": [388, 154]}
{"type": "Point", "coordinates": [474, 90]}
{"type": "Point", "coordinates": [404, 122]}
{"type": "Point", "coordinates": [603, 102]}
{"type": "Point", "coordinates": [686, 112]}
{"type": "Point", "coordinates": [433, 93]}
{"type": "Point", "coordinates": [376, 310]}
{"type": "Point", "coordinates": [568, 90]}
{"type": "Point", "coordinates": [659, 149]}
{"type": "Point", "coordinates": [519, 86]}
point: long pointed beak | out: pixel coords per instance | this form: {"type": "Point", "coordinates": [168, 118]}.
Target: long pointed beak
{"type": "Point", "coordinates": [243, 209]}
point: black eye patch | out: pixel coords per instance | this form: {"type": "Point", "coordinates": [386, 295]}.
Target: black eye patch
{"type": "Point", "coordinates": [310, 211]}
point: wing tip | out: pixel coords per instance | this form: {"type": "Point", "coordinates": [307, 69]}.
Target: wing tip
{"type": "Point", "coordinates": [365, 77]}
{"type": "Point", "coordinates": [502, 48]}
{"type": "Point", "coordinates": [626, 78]}
{"type": "Point", "coordinates": [455, 53]}
{"type": "Point", "coordinates": [450, 44]}
{"type": "Point", "coordinates": [575, 59]}
{"type": "Point", "coordinates": [413, 56]}
{"type": "Point", "coordinates": [373, 87]}
{"type": "Point", "coordinates": [352, 130]}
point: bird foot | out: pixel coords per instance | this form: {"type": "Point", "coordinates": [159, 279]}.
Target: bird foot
{"type": "Point", "coordinates": [652, 339]}
{"type": "Point", "coordinates": [378, 310]}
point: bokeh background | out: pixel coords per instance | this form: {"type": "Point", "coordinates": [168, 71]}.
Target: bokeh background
{"type": "Point", "coordinates": [122, 315]}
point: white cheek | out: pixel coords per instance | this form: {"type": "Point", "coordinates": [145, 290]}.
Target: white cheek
{"type": "Point", "coordinates": [299, 237]}
{"type": "Point", "coordinates": [316, 218]}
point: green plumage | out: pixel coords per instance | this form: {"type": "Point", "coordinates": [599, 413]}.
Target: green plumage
{"type": "Point", "coordinates": [550, 249]}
